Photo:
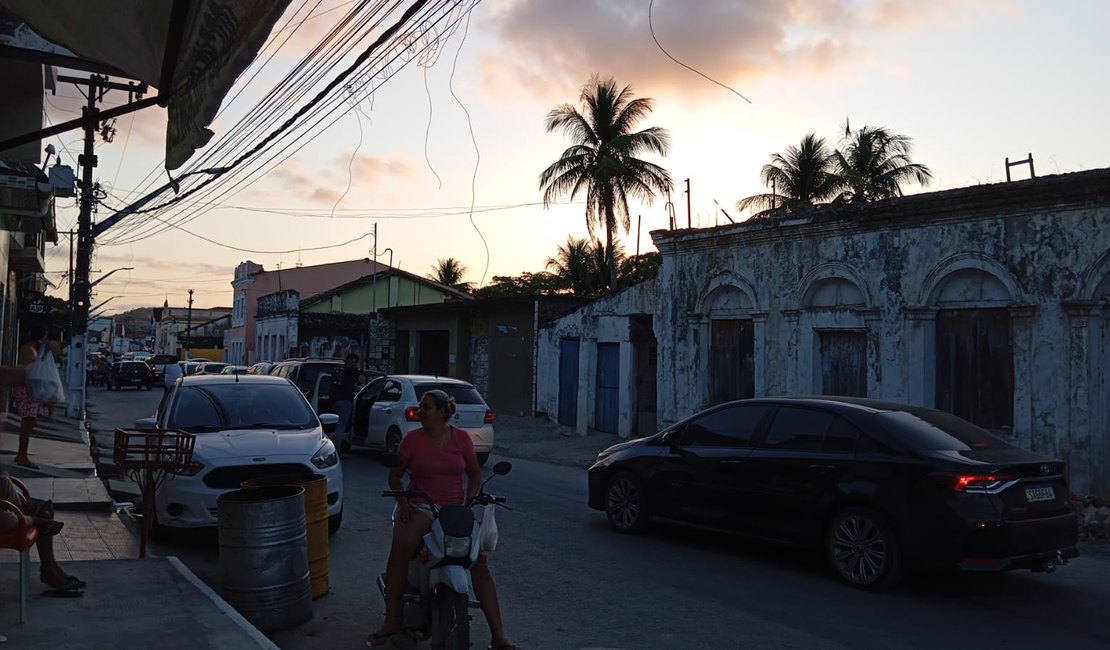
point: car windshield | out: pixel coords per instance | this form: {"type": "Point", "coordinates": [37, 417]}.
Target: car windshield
{"type": "Point", "coordinates": [929, 430]}
{"type": "Point", "coordinates": [242, 405]}
{"type": "Point", "coordinates": [463, 393]}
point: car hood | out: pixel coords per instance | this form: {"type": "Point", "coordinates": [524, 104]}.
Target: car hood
{"type": "Point", "coordinates": [235, 443]}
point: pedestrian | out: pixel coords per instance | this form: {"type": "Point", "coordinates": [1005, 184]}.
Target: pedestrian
{"type": "Point", "coordinates": [171, 374]}
{"type": "Point", "coordinates": [27, 408]}
{"type": "Point", "coordinates": [440, 459]}
{"type": "Point", "coordinates": [344, 383]}
{"type": "Point", "coordinates": [40, 514]}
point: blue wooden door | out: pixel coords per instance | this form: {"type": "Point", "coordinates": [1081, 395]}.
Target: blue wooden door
{"type": "Point", "coordinates": [568, 382]}
{"type": "Point", "coordinates": [608, 386]}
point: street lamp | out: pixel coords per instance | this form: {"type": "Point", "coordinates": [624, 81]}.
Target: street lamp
{"type": "Point", "coordinates": [105, 276]}
{"type": "Point", "coordinates": [104, 303]}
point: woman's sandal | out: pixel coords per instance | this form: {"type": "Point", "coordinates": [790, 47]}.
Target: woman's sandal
{"type": "Point", "coordinates": [504, 646]}
{"type": "Point", "coordinates": [53, 528]}
{"type": "Point", "coordinates": [379, 638]}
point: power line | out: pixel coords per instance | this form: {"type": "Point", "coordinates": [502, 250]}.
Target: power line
{"type": "Point", "coordinates": [668, 54]}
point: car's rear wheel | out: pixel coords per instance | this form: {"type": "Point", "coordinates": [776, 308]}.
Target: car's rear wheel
{"type": "Point", "coordinates": [483, 456]}
{"type": "Point", "coordinates": [392, 440]}
{"type": "Point", "coordinates": [625, 505]}
{"type": "Point", "coordinates": [863, 549]}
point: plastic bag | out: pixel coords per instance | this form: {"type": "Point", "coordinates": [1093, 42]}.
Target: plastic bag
{"type": "Point", "coordinates": [44, 384]}
{"type": "Point", "coordinates": [487, 532]}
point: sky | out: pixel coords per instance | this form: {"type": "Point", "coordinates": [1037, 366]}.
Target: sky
{"type": "Point", "coordinates": [444, 157]}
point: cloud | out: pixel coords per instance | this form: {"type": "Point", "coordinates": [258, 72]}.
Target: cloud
{"type": "Point", "coordinates": [548, 44]}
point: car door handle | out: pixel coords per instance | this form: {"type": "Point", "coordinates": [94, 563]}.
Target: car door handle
{"type": "Point", "coordinates": [389, 410]}
{"type": "Point", "coordinates": [732, 463]}
{"type": "Point", "coordinates": [822, 468]}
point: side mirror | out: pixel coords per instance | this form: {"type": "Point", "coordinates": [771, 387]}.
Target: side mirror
{"type": "Point", "coordinates": [146, 423]}
{"type": "Point", "coordinates": [391, 459]}
{"type": "Point", "coordinates": [328, 419]}
{"type": "Point", "coordinates": [670, 438]}
{"type": "Point", "coordinates": [502, 468]}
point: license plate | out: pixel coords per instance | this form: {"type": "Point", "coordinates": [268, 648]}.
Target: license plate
{"type": "Point", "coordinates": [1033, 494]}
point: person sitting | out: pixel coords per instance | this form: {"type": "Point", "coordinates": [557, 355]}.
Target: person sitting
{"type": "Point", "coordinates": [437, 457]}
{"type": "Point", "coordinates": [41, 515]}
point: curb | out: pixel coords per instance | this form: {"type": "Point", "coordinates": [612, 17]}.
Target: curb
{"type": "Point", "coordinates": [222, 605]}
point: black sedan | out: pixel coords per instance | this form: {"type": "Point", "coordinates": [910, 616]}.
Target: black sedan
{"type": "Point", "coordinates": [880, 487]}
{"type": "Point", "coordinates": [130, 373]}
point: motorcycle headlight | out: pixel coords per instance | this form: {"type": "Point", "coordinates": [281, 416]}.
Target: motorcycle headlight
{"type": "Point", "coordinates": [456, 546]}
{"type": "Point", "coordinates": [326, 456]}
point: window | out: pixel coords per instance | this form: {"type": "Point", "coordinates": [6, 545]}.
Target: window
{"type": "Point", "coordinates": [798, 429]}
{"type": "Point", "coordinates": [926, 429]}
{"type": "Point", "coordinates": [729, 426]}
{"type": "Point", "coordinates": [391, 392]}
{"type": "Point", "coordinates": [841, 436]}
{"type": "Point", "coordinates": [463, 393]}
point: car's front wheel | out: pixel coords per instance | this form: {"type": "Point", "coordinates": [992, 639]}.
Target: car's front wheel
{"type": "Point", "coordinates": [863, 549]}
{"type": "Point", "coordinates": [625, 505]}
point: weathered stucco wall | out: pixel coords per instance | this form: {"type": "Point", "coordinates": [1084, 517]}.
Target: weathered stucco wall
{"type": "Point", "coordinates": [1038, 250]}
{"type": "Point", "coordinates": [605, 320]}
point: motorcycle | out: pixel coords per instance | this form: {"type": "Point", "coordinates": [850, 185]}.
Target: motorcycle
{"type": "Point", "coordinates": [436, 601]}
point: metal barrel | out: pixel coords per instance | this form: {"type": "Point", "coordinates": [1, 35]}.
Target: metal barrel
{"type": "Point", "coordinates": [316, 515]}
{"type": "Point", "coordinates": [264, 555]}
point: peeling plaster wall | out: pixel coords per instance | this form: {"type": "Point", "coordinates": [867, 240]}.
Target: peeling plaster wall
{"type": "Point", "coordinates": [606, 320]}
{"type": "Point", "coordinates": [1048, 265]}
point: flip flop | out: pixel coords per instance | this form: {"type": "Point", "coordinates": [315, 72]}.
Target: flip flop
{"type": "Point", "coordinates": [54, 528]}
{"type": "Point", "coordinates": [26, 463]}
{"type": "Point", "coordinates": [76, 582]}
{"type": "Point", "coordinates": [68, 592]}
{"type": "Point", "coordinates": [379, 638]}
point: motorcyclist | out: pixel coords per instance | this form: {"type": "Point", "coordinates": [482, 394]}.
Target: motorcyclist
{"type": "Point", "coordinates": [436, 456]}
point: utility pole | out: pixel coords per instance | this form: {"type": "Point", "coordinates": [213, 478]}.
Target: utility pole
{"type": "Point", "coordinates": [189, 329]}
{"type": "Point", "coordinates": [374, 284]}
{"type": "Point", "coordinates": [70, 276]}
{"type": "Point", "coordinates": [97, 87]}
{"type": "Point", "coordinates": [689, 224]}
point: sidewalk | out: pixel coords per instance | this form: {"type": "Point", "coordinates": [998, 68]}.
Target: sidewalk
{"type": "Point", "coordinates": [129, 603]}
{"type": "Point", "coordinates": [543, 440]}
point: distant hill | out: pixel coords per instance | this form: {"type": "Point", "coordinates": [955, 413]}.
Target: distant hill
{"type": "Point", "coordinates": [136, 321]}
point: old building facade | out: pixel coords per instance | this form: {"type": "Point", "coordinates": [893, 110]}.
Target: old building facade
{"type": "Point", "coordinates": [990, 302]}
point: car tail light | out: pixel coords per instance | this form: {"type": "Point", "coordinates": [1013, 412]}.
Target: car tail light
{"type": "Point", "coordinates": [489, 416]}
{"type": "Point", "coordinates": [412, 414]}
{"type": "Point", "coordinates": [982, 483]}
{"type": "Point", "coordinates": [306, 390]}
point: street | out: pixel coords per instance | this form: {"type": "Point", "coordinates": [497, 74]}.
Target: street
{"type": "Point", "coordinates": [567, 581]}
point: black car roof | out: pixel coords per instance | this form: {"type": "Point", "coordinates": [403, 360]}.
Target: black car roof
{"type": "Point", "coordinates": [848, 403]}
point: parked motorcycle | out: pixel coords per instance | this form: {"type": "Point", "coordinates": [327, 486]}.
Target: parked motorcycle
{"type": "Point", "coordinates": [437, 597]}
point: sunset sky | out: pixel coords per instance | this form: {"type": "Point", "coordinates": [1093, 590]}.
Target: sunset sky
{"type": "Point", "coordinates": [972, 82]}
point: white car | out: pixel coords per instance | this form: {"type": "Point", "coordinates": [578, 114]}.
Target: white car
{"type": "Point", "coordinates": [386, 409]}
{"type": "Point", "coordinates": [246, 426]}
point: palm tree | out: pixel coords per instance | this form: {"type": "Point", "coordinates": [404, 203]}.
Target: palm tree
{"type": "Point", "coordinates": [801, 178]}
{"type": "Point", "coordinates": [450, 271]}
{"type": "Point", "coordinates": [580, 265]}
{"type": "Point", "coordinates": [874, 163]}
{"type": "Point", "coordinates": [603, 161]}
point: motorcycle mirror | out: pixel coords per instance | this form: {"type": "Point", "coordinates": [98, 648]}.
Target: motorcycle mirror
{"type": "Point", "coordinates": [391, 459]}
{"type": "Point", "coordinates": [502, 468]}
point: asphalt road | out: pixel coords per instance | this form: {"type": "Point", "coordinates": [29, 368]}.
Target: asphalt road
{"type": "Point", "coordinates": [567, 581]}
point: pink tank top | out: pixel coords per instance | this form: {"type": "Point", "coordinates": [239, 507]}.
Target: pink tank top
{"type": "Point", "coordinates": [439, 472]}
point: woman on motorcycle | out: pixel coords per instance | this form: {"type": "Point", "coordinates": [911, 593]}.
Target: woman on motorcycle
{"type": "Point", "coordinates": [436, 457]}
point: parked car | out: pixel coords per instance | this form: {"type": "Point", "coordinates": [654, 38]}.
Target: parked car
{"type": "Point", "coordinates": [130, 373]}
{"type": "Point", "coordinates": [880, 487]}
{"type": "Point", "coordinates": [158, 364]}
{"type": "Point", "coordinates": [312, 375]}
{"type": "Point", "coordinates": [261, 368]}
{"type": "Point", "coordinates": [386, 409]}
{"type": "Point", "coordinates": [210, 368]}
{"type": "Point", "coordinates": [234, 370]}
{"type": "Point", "coordinates": [246, 427]}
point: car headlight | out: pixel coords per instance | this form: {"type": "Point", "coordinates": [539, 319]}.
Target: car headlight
{"type": "Point", "coordinates": [325, 456]}
{"type": "Point", "coordinates": [456, 546]}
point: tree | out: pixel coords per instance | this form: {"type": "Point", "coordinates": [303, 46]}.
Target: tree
{"type": "Point", "coordinates": [581, 265]}
{"type": "Point", "coordinates": [525, 284]}
{"type": "Point", "coordinates": [603, 160]}
{"type": "Point", "coordinates": [800, 178]}
{"type": "Point", "coordinates": [874, 163]}
{"type": "Point", "coordinates": [450, 271]}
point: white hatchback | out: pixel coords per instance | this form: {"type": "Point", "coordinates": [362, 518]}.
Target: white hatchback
{"type": "Point", "coordinates": [246, 427]}
{"type": "Point", "coordinates": [386, 409]}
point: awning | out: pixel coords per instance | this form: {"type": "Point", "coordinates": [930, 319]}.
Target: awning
{"type": "Point", "coordinates": [192, 51]}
